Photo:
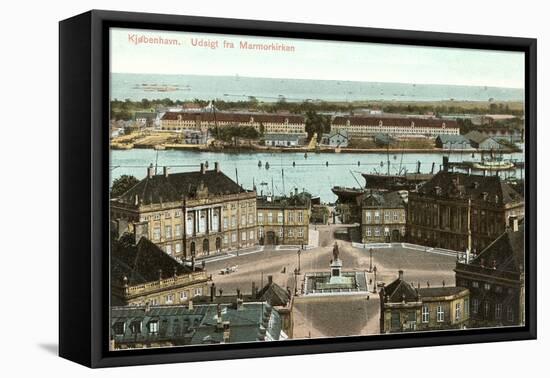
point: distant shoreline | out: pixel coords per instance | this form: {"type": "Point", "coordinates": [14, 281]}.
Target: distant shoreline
{"type": "Point", "coordinates": [244, 149]}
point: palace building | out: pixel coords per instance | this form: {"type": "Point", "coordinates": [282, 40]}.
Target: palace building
{"type": "Point", "coordinates": [269, 123]}
{"type": "Point", "coordinates": [460, 211]}
{"type": "Point", "coordinates": [404, 308]}
{"type": "Point", "coordinates": [142, 274]}
{"type": "Point", "coordinates": [190, 214]}
{"type": "Point", "coordinates": [284, 220]}
{"type": "Point", "coordinates": [383, 216]}
{"type": "Point", "coordinates": [496, 279]}
{"type": "Point", "coordinates": [404, 126]}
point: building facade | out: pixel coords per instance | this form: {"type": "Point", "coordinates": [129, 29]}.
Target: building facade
{"type": "Point", "coordinates": [284, 140]}
{"type": "Point", "coordinates": [369, 126]}
{"type": "Point", "coordinates": [404, 308]}
{"type": "Point", "coordinates": [452, 142]}
{"type": "Point", "coordinates": [142, 274]}
{"type": "Point", "coordinates": [383, 217]}
{"type": "Point", "coordinates": [482, 141]}
{"type": "Point", "coordinates": [338, 138]}
{"type": "Point", "coordinates": [263, 122]}
{"type": "Point", "coordinates": [190, 214]}
{"type": "Point", "coordinates": [496, 280]}
{"type": "Point", "coordinates": [460, 211]}
{"type": "Point", "coordinates": [284, 220]}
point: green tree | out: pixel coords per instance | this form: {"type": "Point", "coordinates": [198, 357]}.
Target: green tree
{"type": "Point", "coordinates": [122, 184]}
{"type": "Point", "coordinates": [316, 123]}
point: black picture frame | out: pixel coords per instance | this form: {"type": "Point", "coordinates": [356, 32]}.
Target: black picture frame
{"type": "Point", "coordinates": [84, 183]}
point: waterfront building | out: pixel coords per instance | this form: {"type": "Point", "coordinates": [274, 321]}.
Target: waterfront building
{"type": "Point", "coordinates": [146, 119]}
{"type": "Point", "coordinates": [142, 274]}
{"type": "Point", "coordinates": [162, 326]}
{"type": "Point", "coordinates": [403, 126]}
{"type": "Point", "coordinates": [460, 211]}
{"type": "Point", "coordinates": [482, 141]}
{"type": "Point", "coordinates": [338, 138]}
{"type": "Point", "coordinates": [496, 279]}
{"type": "Point", "coordinates": [284, 220]}
{"type": "Point", "coordinates": [405, 308]}
{"type": "Point", "coordinates": [502, 133]}
{"type": "Point", "coordinates": [190, 214]}
{"type": "Point", "coordinates": [383, 216]}
{"type": "Point", "coordinates": [284, 140]}
{"type": "Point", "coordinates": [452, 142]}
{"type": "Point", "coordinates": [268, 123]}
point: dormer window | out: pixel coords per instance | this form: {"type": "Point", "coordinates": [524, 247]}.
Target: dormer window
{"type": "Point", "coordinates": [119, 328]}
{"type": "Point", "coordinates": [153, 327]}
{"type": "Point", "coordinates": [135, 327]}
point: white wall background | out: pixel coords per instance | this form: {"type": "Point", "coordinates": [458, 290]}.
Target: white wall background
{"type": "Point", "coordinates": [29, 185]}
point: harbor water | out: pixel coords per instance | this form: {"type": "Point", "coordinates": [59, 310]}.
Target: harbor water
{"type": "Point", "coordinates": [316, 173]}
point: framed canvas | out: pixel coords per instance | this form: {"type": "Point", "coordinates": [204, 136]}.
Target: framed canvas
{"type": "Point", "coordinates": [236, 188]}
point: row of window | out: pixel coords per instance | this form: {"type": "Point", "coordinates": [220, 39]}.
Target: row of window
{"type": "Point", "coordinates": [440, 312]}
{"type": "Point", "coordinates": [280, 217]}
{"type": "Point", "coordinates": [388, 216]}
{"type": "Point", "coordinates": [290, 232]}
{"type": "Point", "coordinates": [243, 237]}
{"type": "Point", "coordinates": [376, 231]}
{"type": "Point", "coordinates": [165, 215]}
{"type": "Point", "coordinates": [484, 308]}
{"type": "Point", "coordinates": [487, 287]}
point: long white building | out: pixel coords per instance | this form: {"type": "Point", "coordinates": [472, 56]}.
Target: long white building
{"type": "Point", "coordinates": [369, 126]}
{"type": "Point", "coordinates": [272, 123]}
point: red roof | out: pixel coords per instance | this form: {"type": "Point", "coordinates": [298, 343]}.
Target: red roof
{"type": "Point", "coordinates": [235, 117]}
{"type": "Point", "coordinates": [397, 122]}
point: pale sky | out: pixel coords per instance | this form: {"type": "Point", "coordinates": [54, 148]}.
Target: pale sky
{"type": "Point", "coordinates": [314, 59]}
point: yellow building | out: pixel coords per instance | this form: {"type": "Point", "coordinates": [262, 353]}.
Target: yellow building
{"type": "Point", "coordinates": [190, 214]}
{"type": "Point", "coordinates": [142, 274]}
{"type": "Point", "coordinates": [269, 122]}
{"type": "Point", "coordinates": [383, 217]}
{"type": "Point", "coordinates": [284, 220]}
{"type": "Point", "coordinates": [404, 308]}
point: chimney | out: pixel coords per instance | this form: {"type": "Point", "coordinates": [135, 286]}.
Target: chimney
{"type": "Point", "coordinates": [147, 307]}
{"type": "Point", "coordinates": [513, 222]}
{"type": "Point", "coordinates": [269, 279]}
{"type": "Point", "coordinates": [190, 305]}
{"type": "Point", "coordinates": [253, 290]}
{"type": "Point", "coordinates": [212, 292]}
{"type": "Point", "coordinates": [400, 272]}
{"type": "Point", "coordinates": [217, 167]}
{"type": "Point", "coordinates": [150, 171]}
{"type": "Point", "coordinates": [295, 191]}
{"type": "Point", "coordinates": [203, 168]}
{"type": "Point", "coordinates": [165, 171]}
{"type": "Point", "coordinates": [239, 303]}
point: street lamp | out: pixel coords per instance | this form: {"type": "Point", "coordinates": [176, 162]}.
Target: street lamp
{"type": "Point", "coordinates": [370, 261]}
{"type": "Point", "coordinates": [375, 282]}
{"type": "Point", "coordinates": [296, 273]}
{"type": "Point", "coordinates": [299, 253]}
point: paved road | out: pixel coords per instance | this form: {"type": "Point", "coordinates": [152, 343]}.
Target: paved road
{"type": "Point", "coordinates": [419, 266]}
{"type": "Point", "coordinates": [333, 315]}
